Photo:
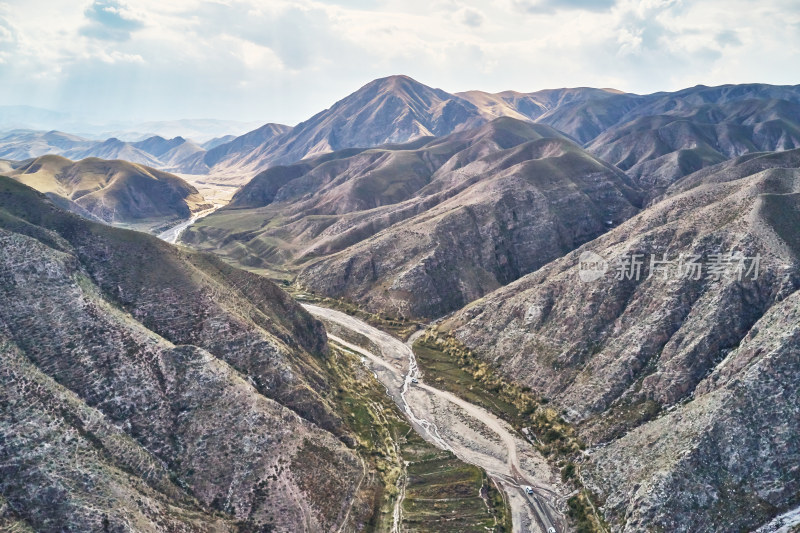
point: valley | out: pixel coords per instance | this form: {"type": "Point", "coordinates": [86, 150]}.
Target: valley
{"type": "Point", "coordinates": [458, 426]}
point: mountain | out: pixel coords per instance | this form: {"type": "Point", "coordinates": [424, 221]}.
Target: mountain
{"type": "Point", "coordinates": [661, 137]}
{"type": "Point", "coordinates": [216, 141]}
{"type": "Point", "coordinates": [170, 153]}
{"type": "Point", "coordinates": [113, 148]}
{"type": "Point", "coordinates": [682, 384]}
{"type": "Point", "coordinates": [116, 192]}
{"type": "Point", "coordinates": [657, 150]}
{"type": "Point", "coordinates": [185, 397]}
{"type": "Point", "coordinates": [594, 112]}
{"type": "Point", "coordinates": [511, 104]}
{"type": "Point", "coordinates": [240, 147]}
{"type": "Point", "coordinates": [422, 228]}
{"type": "Point", "coordinates": [200, 130]}
{"type": "Point", "coordinates": [19, 145]}
{"type": "Point", "coordinates": [531, 106]}
{"type": "Point", "coordinates": [621, 126]}
{"type": "Point", "coordinates": [155, 151]}
{"type": "Point", "coordinates": [395, 109]}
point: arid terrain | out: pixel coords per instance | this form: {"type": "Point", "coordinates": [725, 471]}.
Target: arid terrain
{"type": "Point", "coordinates": [416, 310]}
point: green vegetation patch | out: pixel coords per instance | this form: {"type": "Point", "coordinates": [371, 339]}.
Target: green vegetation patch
{"type": "Point", "coordinates": [441, 493]}
{"type": "Point", "coordinates": [453, 367]}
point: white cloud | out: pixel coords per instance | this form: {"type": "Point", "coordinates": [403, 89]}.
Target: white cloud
{"type": "Point", "coordinates": [284, 60]}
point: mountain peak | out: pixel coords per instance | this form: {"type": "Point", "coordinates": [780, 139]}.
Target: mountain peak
{"type": "Point", "coordinates": [394, 79]}
{"type": "Point", "coordinates": [399, 84]}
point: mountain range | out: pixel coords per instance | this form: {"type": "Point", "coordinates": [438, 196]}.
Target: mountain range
{"type": "Point", "coordinates": [425, 227]}
{"type": "Point", "coordinates": [396, 109]}
{"type": "Point", "coordinates": [622, 269]}
{"type": "Point", "coordinates": [682, 386]}
{"type": "Point", "coordinates": [661, 136]}
{"type": "Point", "coordinates": [154, 151]}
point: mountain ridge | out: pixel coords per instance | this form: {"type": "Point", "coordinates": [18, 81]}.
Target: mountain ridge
{"type": "Point", "coordinates": [340, 215]}
{"type": "Point", "coordinates": [116, 192]}
{"type": "Point", "coordinates": [126, 385]}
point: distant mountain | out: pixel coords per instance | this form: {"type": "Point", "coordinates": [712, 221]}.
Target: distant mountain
{"type": "Point", "coordinates": [425, 227]}
{"type": "Point", "coordinates": [113, 148]}
{"type": "Point", "coordinates": [216, 141]}
{"type": "Point", "coordinates": [24, 144]}
{"type": "Point", "coordinates": [199, 130]}
{"type": "Point", "coordinates": [157, 152]}
{"type": "Point", "coordinates": [150, 388]}
{"type": "Point", "coordinates": [116, 192]}
{"type": "Point", "coordinates": [657, 150]}
{"type": "Point", "coordinates": [687, 380]}
{"type": "Point", "coordinates": [170, 153]}
{"type": "Point", "coordinates": [231, 153]}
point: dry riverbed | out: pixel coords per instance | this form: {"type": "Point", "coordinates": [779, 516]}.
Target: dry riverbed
{"type": "Point", "coordinates": [473, 434]}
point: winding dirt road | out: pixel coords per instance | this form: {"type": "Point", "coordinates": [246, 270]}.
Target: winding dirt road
{"type": "Point", "coordinates": [473, 434]}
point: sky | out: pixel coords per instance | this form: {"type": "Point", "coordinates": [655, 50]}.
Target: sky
{"type": "Point", "coordinates": [283, 61]}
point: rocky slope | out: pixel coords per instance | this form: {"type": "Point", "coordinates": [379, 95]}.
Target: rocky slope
{"type": "Point", "coordinates": [423, 228]}
{"type": "Point", "coordinates": [685, 382]}
{"type": "Point", "coordinates": [187, 397]}
{"type": "Point", "coordinates": [657, 150]}
{"type": "Point", "coordinates": [116, 192]}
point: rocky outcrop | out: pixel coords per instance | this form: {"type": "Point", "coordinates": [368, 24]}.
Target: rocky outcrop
{"type": "Point", "coordinates": [726, 460]}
